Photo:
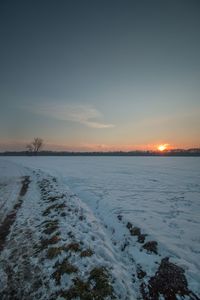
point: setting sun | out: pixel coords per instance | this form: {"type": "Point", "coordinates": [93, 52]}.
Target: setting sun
{"type": "Point", "coordinates": [162, 147]}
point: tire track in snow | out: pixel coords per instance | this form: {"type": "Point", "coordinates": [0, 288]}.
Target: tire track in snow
{"type": "Point", "coordinates": [11, 217]}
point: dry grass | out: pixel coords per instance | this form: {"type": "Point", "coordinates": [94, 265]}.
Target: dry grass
{"type": "Point", "coordinates": [63, 268]}
{"type": "Point", "coordinates": [54, 252]}
{"type": "Point", "coordinates": [151, 246]}
{"type": "Point", "coordinates": [74, 247]}
{"type": "Point", "coordinates": [87, 253]}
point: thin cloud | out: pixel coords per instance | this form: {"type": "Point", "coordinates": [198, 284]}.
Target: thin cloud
{"type": "Point", "coordinates": [83, 114]}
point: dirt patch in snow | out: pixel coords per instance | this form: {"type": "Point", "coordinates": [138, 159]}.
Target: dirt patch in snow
{"type": "Point", "coordinates": [168, 282]}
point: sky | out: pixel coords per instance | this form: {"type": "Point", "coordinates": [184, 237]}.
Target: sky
{"type": "Point", "coordinates": [100, 75]}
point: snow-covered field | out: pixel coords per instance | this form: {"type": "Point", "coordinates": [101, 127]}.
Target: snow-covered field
{"type": "Point", "coordinates": [136, 211]}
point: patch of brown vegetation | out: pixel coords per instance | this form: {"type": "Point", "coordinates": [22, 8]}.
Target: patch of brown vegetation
{"type": "Point", "coordinates": [169, 281]}
{"type": "Point", "coordinates": [151, 246]}
{"type": "Point", "coordinates": [50, 227]}
{"type": "Point", "coordinates": [141, 238]}
{"type": "Point", "coordinates": [54, 252]}
{"type": "Point", "coordinates": [136, 231]}
{"type": "Point", "coordinates": [62, 268]}
{"type": "Point", "coordinates": [86, 253]}
{"type": "Point", "coordinates": [50, 230]}
{"type": "Point", "coordinates": [74, 247]}
{"type": "Point", "coordinates": [101, 285]}
{"type": "Point", "coordinates": [80, 289]}
{"type": "Point", "coordinates": [97, 287]}
{"type": "Point", "coordinates": [46, 242]}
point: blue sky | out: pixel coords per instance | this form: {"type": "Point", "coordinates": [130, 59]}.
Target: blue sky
{"type": "Point", "coordinates": [100, 75]}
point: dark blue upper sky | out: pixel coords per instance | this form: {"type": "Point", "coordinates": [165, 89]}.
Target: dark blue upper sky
{"type": "Point", "coordinates": [100, 74]}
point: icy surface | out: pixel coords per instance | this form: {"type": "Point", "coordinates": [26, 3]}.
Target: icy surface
{"type": "Point", "coordinates": [159, 195]}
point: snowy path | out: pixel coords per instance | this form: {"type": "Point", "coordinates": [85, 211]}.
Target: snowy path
{"type": "Point", "coordinates": [57, 249]}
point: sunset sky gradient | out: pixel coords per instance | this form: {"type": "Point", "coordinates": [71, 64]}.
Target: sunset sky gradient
{"type": "Point", "coordinates": [100, 75]}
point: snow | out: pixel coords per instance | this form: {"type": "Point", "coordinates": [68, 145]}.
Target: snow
{"type": "Point", "coordinates": [23, 254]}
{"type": "Point", "coordinates": [159, 195]}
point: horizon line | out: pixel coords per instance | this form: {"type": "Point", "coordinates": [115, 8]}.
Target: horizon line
{"type": "Point", "coordinates": [109, 151]}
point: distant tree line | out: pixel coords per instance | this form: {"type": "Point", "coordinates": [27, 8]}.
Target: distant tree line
{"type": "Point", "coordinates": [37, 151]}
{"type": "Point", "coordinates": [35, 147]}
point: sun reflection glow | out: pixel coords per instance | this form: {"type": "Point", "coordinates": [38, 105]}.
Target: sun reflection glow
{"type": "Point", "coordinates": [162, 147]}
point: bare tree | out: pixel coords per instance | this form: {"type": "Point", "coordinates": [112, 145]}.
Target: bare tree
{"type": "Point", "coordinates": [35, 146]}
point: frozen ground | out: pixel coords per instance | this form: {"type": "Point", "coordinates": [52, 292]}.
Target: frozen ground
{"type": "Point", "coordinates": [132, 201]}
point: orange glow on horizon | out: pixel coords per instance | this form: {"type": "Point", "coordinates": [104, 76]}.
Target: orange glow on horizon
{"type": "Point", "coordinates": [53, 145]}
{"type": "Point", "coordinates": [162, 147]}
